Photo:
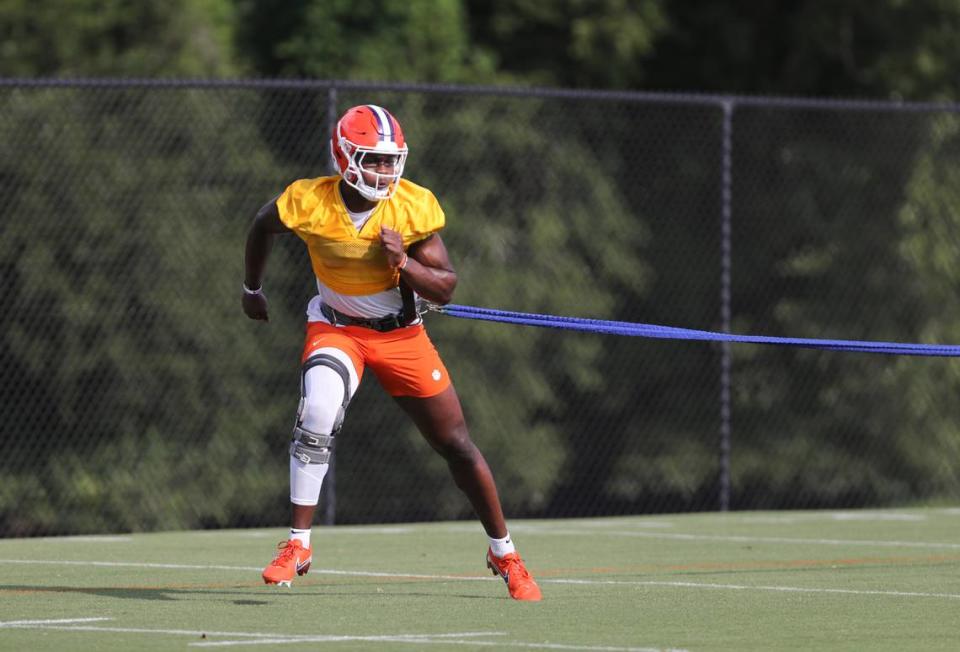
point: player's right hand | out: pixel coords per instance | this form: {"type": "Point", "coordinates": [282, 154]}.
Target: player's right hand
{"type": "Point", "coordinates": [255, 306]}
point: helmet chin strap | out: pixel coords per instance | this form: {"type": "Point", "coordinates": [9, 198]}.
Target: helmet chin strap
{"type": "Point", "coordinates": [364, 191]}
{"type": "Point", "coordinates": [372, 193]}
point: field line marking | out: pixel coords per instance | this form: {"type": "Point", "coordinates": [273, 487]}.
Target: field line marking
{"type": "Point", "coordinates": [445, 641]}
{"type": "Point", "coordinates": [747, 587]}
{"type": "Point", "coordinates": [56, 621]}
{"type": "Point", "coordinates": [259, 638]}
{"type": "Point", "coordinates": [88, 538]}
{"type": "Point", "coordinates": [130, 564]}
{"type": "Point", "coordinates": [875, 516]}
{"type": "Point", "coordinates": [141, 630]}
{"type": "Point", "coordinates": [317, 571]}
{"type": "Point", "coordinates": [748, 566]}
{"type": "Point", "coordinates": [334, 638]}
{"type": "Point", "coordinates": [327, 531]}
{"type": "Point", "coordinates": [745, 539]}
{"type": "Point", "coordinates": [593, 582]}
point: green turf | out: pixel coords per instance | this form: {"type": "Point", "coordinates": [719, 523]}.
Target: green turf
{"type": "Point", "coordinates": [865, 580]}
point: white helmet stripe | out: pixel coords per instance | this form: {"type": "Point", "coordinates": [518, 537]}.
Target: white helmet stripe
{"type": "Point", "coordinates": [383, 119]}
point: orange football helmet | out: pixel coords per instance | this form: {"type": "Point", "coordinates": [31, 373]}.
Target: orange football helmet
{"type": "Point", "coordinates": [369, 132]}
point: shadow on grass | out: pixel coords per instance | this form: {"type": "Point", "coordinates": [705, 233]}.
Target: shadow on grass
{"type": "Point", "coordinates": [242, 593]}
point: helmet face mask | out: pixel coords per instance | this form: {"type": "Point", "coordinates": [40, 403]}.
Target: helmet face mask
{"type": "Point", "coordinates": [369, 150]}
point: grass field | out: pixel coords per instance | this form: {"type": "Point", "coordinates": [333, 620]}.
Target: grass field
{"type": "Point", "coordinates": [861, 580]}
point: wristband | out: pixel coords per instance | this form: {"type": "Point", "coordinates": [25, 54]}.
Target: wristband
{"type": "Point", "coordinates": [247, 290]}
{"type": "Point", "coordinates": [403, 263]}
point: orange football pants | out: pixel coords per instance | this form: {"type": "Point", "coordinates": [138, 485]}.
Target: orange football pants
{"type": "Point", "coordinates": [404, 359]}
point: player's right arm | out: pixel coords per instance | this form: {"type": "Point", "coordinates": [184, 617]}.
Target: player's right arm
{"type": "Point", "coordinates": [259, 242]}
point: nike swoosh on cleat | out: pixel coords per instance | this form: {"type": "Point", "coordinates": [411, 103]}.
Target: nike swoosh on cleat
{"type": "Point", "coordinates": [300, 564]}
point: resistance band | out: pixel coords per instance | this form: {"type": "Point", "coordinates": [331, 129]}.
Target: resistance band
{"type": "Point", "coordinates": [670, 332]}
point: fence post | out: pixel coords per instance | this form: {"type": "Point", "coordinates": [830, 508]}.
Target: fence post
{"type": "Point", "coordinates": [330, 481]}
{"type": "Point", "coordinates": [726, 193]}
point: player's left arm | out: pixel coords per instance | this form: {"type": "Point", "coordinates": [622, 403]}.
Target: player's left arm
{"type": "Point", "coordinates": [428, 270]}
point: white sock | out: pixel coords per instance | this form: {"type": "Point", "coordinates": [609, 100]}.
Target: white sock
{"type": "Point", "coordinates": [303, 535]}
{"type": "Point", "coordinates": [502, 547]}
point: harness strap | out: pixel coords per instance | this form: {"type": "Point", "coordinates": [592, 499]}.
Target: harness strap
{"type": "Point", "coordinates": [386, 324]}
{"type": "Point", "coordinates": [409, 312]}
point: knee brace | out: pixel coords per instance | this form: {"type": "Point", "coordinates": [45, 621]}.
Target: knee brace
{"type": "Point", "coordinates": [316, 447]}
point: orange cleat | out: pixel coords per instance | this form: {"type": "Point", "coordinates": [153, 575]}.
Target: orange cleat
{"type": "Point", "coordinates": [292, 558]}
{"type": "Point", "coordinates": [515, 575]}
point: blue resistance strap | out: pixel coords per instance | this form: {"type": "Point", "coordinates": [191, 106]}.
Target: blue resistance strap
{"type": "Point", "coordinates": [670, 332]}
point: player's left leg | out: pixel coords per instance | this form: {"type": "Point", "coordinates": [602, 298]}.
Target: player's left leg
{"type": "Point", "coordinates": [440, 419]}
{"type": "Point", "coordinates": [411, 371]}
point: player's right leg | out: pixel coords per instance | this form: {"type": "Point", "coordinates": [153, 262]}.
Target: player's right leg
{"type": "Point", "coordinates": [330, 377]}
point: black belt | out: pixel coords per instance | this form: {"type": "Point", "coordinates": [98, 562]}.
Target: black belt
{"type": "Point", "coordinates": [383, 325]}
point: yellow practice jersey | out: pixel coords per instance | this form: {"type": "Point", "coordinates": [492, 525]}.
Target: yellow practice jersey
{"type": "Point", "coordinates": [345, 260]}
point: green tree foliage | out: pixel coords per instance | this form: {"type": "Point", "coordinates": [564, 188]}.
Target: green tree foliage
{"type": "Point", "coordinates": [818, 233]}
{"type": "Point", "coordinates": [808, 428]}
{"type": "Point", "coordinates": [112, 249]}
{"type": "Point", "coordinates": [528, 249]}
{"type": "Point", "coordinates": [123, 324]}
{"type": "Point", "coordinates": [570, 43]}
{"type": "Point", "coordinates": [131, 208]}
{"type": "Point", "coordinates": [148, 38]}
{"type": "Point", "coordinates": [817, 199]}
{"type": "Point", "coordinates": [392, 40]}
{"type": "Point", "coordinates": [929, 219]}
{"type": "Point", "coordinates": [889, 48]}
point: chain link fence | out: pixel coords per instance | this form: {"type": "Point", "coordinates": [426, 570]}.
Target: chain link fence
{"type": "Point", "coordinates": [134, 394]}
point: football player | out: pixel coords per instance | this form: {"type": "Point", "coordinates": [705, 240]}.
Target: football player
{"type": "Point", "coordinates": [374, 245]}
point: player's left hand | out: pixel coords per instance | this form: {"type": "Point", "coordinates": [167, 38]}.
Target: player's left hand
{"type": "Point", "coordinates": [392, 245]}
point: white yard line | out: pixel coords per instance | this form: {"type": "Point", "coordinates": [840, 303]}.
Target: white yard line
{"type": "Point", "coordinates": [315, 571]}
{"type": "Point", "coordinates": [136, 630]}
{"type": "Point", "coordinates": [57, 621]}
{"type": "Point", "coordinates": [261, 638]}
{"type": "Point", "coordinates": [533, 526]}
{"type": "Point", "coordinates": [437, 640]}
{"type": "Point", "coordinates": [748, 587]}
{"type": "Point", "coordinates": [124, 564]}
{"type": "Point", "coordinates": [331, 638]}
{"type": "Point", "coordinates": [640, 524]}
{"type": "Point", "coordinates": [467, 578]}
{"type": "Point", "coordinates": [876, 517]}
{"type": "Point", "coordinates": [325, 531]}
{"type": "Point", "coordinates": [588, 532]}
{"type": "Point", "coordinates": [671, 536]}
{"type": "Point", "coordinates": [89, 538]}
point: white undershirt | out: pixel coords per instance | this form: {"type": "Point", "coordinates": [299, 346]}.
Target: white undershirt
{"type": "Point", "coordinates": [368, 306]}
{"type": "Point", "coordinates": [359, 219]}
